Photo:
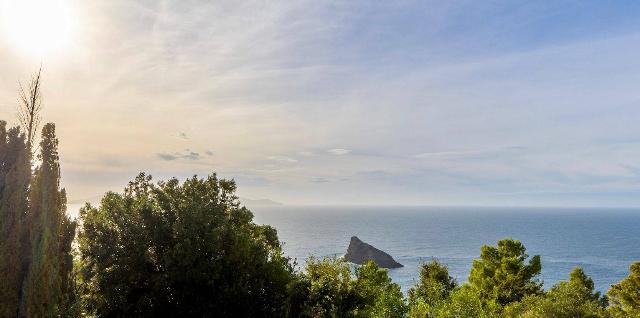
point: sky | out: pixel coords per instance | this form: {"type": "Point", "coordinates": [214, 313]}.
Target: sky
{"type": "Point", "coordinates": [500, 103]}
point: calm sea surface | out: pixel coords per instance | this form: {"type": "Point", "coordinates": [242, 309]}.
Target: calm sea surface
{"type": "Point", "coordinates": [601, 241]}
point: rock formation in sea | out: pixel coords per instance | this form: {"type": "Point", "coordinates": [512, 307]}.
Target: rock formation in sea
{"type": "Point", "coordinates": [359, 252]}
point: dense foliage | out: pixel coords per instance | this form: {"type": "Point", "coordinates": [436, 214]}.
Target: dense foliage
{"type": "Point", "coordinates": [329, 288]}
{"type": "Point", "coordinates": [573, 298]}
{"type": "Point", "coordinates": [15, 175]}
{"type": "Point", "coordinates": [434, 286]}
{"type": "Point", "coordinates": [501, 274]}
{"type": "Point", "coordinates": [36, 235]}
{"type": "Point", "coordinates": [178, 249]}
{"type": "Point", "coordinates": [625, 296]}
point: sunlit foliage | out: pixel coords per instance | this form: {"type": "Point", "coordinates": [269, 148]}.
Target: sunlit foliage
{"type": "Point", "coordinates": [180, 249]}
{"type": "Point", "coordinates": [625, 295]}
{"type": "Point", "coordinates": [501, 274]}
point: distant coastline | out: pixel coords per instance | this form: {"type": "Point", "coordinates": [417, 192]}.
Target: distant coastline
{"type": "Point", "coordinates": [259, 202]}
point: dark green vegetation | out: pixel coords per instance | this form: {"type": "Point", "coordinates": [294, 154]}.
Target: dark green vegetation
{"type": "Point", "coordinates": [36, 235]}
{"type": "Point", "coordinates": [190, 249]}
{"type": "Point", "coordinates": [180, 250]}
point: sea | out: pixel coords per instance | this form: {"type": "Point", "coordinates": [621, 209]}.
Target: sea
{"type": "Point", "coordinates": [604, 242]}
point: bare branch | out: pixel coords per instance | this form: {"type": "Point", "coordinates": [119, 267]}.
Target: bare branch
{"type": "Point", "coordinates": [30, 106]}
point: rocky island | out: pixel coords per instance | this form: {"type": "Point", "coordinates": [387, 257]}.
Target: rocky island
{"type": "Point", "coordinates": [360, 252]}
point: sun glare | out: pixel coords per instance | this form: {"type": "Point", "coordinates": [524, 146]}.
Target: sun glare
{"type": "Point", "coordinates": [37, 27]}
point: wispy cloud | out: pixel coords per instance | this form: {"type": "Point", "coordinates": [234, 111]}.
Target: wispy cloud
{"type": "Point", "coordinates": [498, 151]}
{"type": "Point", "coordinates": [447, 154]}
{"type": "Point", "coordinates": [339, 151]}
{"type": "Point", "coordinates": [186, 154]}
{"type": "Point", "coordinates": [319, 180]}
{"type": "Point", "coordinates": [333, 91]}
{"type": "Point", "coordinates": [283, 159]}
{"type": "Point", "coordinates": [168, 156]}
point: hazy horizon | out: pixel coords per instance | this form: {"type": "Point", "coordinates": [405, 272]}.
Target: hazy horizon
{"type": "Point", "coordinates": [342, 103]}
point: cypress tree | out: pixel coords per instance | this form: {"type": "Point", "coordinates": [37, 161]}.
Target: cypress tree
{"type": "Point", "coordinates": [35, 233]}
{"type": "Point", "coordinates": [46, 288]}
{"type": "Point", "coordinates": [15, 174]}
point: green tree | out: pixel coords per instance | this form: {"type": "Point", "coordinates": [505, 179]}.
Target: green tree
{"type": "Point", "coordinates": [465, 302]}
{"type": "Point", "coordinates": [502, 275]}
{"type": "Point", "coordinates": [188, 250]}
{"type": "Point", "coordinates": [46, 290]}
{"type": "Point", "coordinates": [324, 289]}
{"type": "Point", "coordinates": [435, 284]}
{"type": "Point", "coordinates": [381, 297]}
{"type": "Point", "coordinates": [624, 297]}
{"type": "Point", "coordinates": [15, 174]}
{"type": "Point", "coordinates": [575, 298]}
{"type": "Point", "coordinates": [580, 280]}
{"type": "Point", "coordinates": [328, 288]}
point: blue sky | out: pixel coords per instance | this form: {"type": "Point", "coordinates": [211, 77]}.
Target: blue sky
{"type": "Point", "coordinates": [308, 102]}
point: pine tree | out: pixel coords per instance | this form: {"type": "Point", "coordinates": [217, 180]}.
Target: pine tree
{"type": "Point", "coordinates": [15, 174]}
{"type": "Point", "coordinates": [46, 286]}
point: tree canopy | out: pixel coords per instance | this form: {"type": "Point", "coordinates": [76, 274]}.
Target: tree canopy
{"type": "Point", "coordinates": [329, 288]}
{"type": "Point", "coordinates": [15, 176]}
{"type": "Point", "coordinates": [434, 285]}
{"type": "Point", "coordinates": [502, 274]}
{"type": "Point", "coordinates": [567, 299]}
{"type": "Point", "coordinates": [180, 249]}
{"type": "Point", "coordinates": [36, 234]}
{"type": "Point", "coordinates": [625, 295]}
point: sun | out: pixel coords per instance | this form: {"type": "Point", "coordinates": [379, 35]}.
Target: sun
{"type": "Point", "coordinates": [36, 27]}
